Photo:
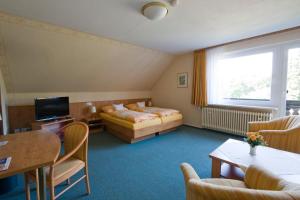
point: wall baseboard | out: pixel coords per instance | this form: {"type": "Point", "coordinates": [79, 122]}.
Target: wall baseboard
{"type": "Point", "coordinates": [191, 125]}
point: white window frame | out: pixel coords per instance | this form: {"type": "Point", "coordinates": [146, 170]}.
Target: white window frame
{"type": "Point", "coordinates": [285, 49]}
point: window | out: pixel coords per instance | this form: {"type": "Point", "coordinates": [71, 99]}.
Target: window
{"type": "Point", "coordinates": [267, 76]}
{"type": "Point", "coordinates": [293, 75]}
{"type": "Point", "coordinates": [246, 77]}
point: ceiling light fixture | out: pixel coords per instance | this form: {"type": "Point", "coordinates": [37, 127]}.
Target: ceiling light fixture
{"type": "Point", "coordinates": [155, 10]}
{"type": "Point", "coordinates": [174, 3]}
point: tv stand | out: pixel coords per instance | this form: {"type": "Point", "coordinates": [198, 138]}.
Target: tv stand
{"type": "Point", "coordinates": [53, 126]}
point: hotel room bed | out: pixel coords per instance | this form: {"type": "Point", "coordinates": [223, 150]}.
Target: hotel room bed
{"type": "Point", "coordinates": [167, 115]}
{"type": "Point", "coordinates": [170, 118]}
{"type": "Point", "coordinates": [131, 131]}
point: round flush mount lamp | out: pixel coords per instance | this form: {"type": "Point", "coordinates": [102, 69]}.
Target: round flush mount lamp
{"type": "Point", "coordinates": [174, 3]}
{"type": "Point", "coordinates": [155, 10]}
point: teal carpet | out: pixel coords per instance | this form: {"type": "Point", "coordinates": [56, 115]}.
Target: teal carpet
{"type": "Point", "coordinates": [144, 170]}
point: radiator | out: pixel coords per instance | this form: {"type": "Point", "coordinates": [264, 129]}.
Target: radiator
{"type": "Point", "coordinates": [230, 120]}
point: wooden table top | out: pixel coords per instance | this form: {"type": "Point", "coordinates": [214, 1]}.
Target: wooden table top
{"type": "Point", "coordinates": [29, 151]}
{"type": "Point", "coordinates": [283, 163]}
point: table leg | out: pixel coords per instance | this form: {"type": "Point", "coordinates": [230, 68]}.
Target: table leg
{"type": "Point", "coordinates": [42, 183]}
{"type": "Point", "coordinates": [216, 168]}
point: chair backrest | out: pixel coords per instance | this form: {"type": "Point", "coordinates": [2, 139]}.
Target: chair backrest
{"type": "Point", "coordinates": [76, 137]}
{"type": "Point", "coordinates": [289, 122]}
{"type": "Point", "coordinates": [261, 179]}
{"type": "Point", "coordinates": [294, 121]}
{"type": "Point", "coordinates": [287, 135]}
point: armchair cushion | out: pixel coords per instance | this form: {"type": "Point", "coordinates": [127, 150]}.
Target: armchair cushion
{"type": "Point", "coordinates": [225, 182]}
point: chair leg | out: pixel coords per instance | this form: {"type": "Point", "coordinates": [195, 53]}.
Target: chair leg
{"type": "Point", "coordinates": [52, 192]}
{"type": "Point", "coordinates": [37, 185]}
{"type": "Point", "coordinates": [87, 182]}
{"type": "Point", "coordinates": [68, 181]}
{"type": "Point", "coordinates": [27, 186]}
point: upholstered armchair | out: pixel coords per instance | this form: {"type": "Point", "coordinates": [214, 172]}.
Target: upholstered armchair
{"type": "Point", "coordinates": [258, 184]}
{"type": "Point", "coordinates": [283, 133]}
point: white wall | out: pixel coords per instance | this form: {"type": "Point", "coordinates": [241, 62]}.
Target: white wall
{"type": "Point", "coordinates": [166, 94]}
{"type": "Point", "coordinates": [49, 60]}
{"type": "Point", "coordinates": [4, 104]}
{"type": "Point", "coordinates": [41, 57]}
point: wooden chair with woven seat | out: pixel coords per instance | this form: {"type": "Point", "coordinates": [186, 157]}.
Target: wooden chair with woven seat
{"type": "Point", "coordinates": [73, 160]}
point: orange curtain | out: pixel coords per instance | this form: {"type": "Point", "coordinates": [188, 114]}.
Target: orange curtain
{"type": "Point", "coordinates": [199, 97]}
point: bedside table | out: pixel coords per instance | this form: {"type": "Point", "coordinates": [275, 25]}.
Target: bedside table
{"type": "Point", "coordinates": [95, 124]}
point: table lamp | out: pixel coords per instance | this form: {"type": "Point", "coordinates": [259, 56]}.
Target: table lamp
{"type": "Point", "coordinates": [93, 110]}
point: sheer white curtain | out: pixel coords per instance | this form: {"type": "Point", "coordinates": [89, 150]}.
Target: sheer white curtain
{"type": "Point", "coordinates": [214, 86]}
{"type": "Point", "coordinates": [242, 77]}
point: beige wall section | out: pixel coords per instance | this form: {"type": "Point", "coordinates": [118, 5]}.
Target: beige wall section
{"type": "Point", "coordinates": [28, 98]}
{"type": "Point", "coordinates": [166, 94]}
{"type": "Point", "coordinates": [4, 104]}
{"type": "Point", "coordinates": [46, 58]}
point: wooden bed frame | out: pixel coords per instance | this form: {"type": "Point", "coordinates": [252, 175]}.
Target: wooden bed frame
{"type": "Point", "coordinates": [132, 136]}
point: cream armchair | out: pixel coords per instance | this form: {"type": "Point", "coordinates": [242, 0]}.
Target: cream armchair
{"type": "Point", "coordinates": [257, 185]}
{"type": "Point", "coordinates": [283, 133]}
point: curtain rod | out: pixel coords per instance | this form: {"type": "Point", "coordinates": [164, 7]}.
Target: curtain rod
{"type": "Point", "coordinates": [250, 38]}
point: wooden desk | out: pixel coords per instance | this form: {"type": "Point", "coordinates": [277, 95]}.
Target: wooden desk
{"type": "Point", "coordinates": [29, 151]}
{"type": "Point", "coordinates": [232, 154]}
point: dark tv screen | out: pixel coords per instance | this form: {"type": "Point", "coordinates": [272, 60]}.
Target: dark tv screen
{"type": "Point", "coordinates": [51, 108]}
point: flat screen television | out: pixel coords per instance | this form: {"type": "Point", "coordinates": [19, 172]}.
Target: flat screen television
{"type": "Point", "coordinates": [51, 108]}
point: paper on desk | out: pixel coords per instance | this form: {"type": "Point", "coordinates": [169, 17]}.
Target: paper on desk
{"type": "Point", "coordinates": [4, 163]}
{"type": "Point", "coordinates": [2, 143]}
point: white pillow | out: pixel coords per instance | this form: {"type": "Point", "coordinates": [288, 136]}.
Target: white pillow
{"type": "Point", "coordinates": [119, 107]}
{"type": "Point", "coordinates": [141, 104]}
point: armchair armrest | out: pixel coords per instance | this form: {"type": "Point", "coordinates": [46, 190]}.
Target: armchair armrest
{"type": "Point", "coordinates": [295, 130]}
{"type": "Point", "coordinates": [188, 172]}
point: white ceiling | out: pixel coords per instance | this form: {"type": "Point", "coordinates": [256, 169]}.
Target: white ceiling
{"type": "Point", "coordinates": [191, 25]}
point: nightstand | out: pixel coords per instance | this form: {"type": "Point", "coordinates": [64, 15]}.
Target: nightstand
{"type": "Point", "coordinates": [95, 124]}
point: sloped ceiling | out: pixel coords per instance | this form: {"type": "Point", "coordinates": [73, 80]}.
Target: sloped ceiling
{"type": "Point", "coordinates": [193, 24]}
{"type": "Point", "coordinates": [38, 57]}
